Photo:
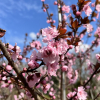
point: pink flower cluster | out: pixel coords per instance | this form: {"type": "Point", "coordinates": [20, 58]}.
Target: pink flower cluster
{"type": "Point", "coordinates": [65, 9]}
{"type": "Point", "coordinates": [49, 33]}
{"type": "Point", "coordinates": [98, 57]}
{"type": "Point", "coordinates": [98, 31]}
{"type": "Point", "coordinates": [36, 44]}
{"type": "Point", "coordinates": [89, 28]}
{"type": "Point", "coordinates": [49, 55]}
{"type": "Point", "coordinates": [87, 9]}
{"type": "Point", "coordinates": [55, 55]}
{"type": "Point", "coordinates": [98, 7]}
{"type": "Point", "coordinates": [70, 95]}
{"type": "Point", "coordinates": [32, 79]}
{"type": "Point", "coordinates": [81, 94]}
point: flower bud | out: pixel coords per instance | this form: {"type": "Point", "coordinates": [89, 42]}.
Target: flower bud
{"type": "Point", "coordinates": [8, 67]}
{"type": "Point", "coordinates": [55, 3]}
{"type": "Point", "coordinates": [64, 68]}
{"type": "Point", "coordinates": [44, 10]}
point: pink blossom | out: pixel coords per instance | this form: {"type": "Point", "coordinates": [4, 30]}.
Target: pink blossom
{"type": "Point", "coordinates": [78, 13]}
{"type": "Point", "coordinates": [82, 95]}
{"type": "Point", "coordinates": [54, 97]}
{"type": "Point", "coordinates": [55, 2]}
{"type": "Point", "coordinates": [66, 9]}
{"type": "Point", "coordinates": [23, 74]}
{"type": "Point", "coordinates": [10, 47]}
{"type": "Point", "coordinates": [70, 72]}
{"type": "Point", "coordinates": [36, 44]}
{"type": "Point", "coordinates": [17, 49]}
{"type": "Point", "coordinates": [15, 97]}
{"type": "Point", "coordinates": [16, 52]}
{"type": "Point", "coordinates": [81, 36]}
{"type": "Point", "coordinates": [71, 94]}
{"type": "Point", "coordinates": [89, 28]}
{"type": "Point", "coordinates": [93, 4]}
{"type": "Point", "coordinates": [64, 68]}
{"type": "Point", "coordinates": [32, 44]}
{"type": "Point", "coordinates": [70, 46]}
{"type": "Point", "coordinates": [33, 64]}
{"type": "Point", "coordinates": [38, 34]}
{"type": "Point", "coordinates": [42, 0]}
{"type": "Point", "coordinates": [9, 81]}
{"type": "Point", "coordinates": [44, 10]}
{"type": "Point", "coordinates": [29, 94]}
{"type": "Point", "coordinates": [89, 35]}
{"type": "Point", "coordinates": [73, 80]}
{"type": "Point", "coordinates": [64, 17]}
{"type": "Point", "coordinates": [19, 57]}
{"type": "Point", "coordinates": [1, 96]}
{"type": "Point", "coordinates": [4, 72]}
{"type": "Point", "coordinates": [3, 85]}
{"type": "Point", "coordinates": [52, 68]}
{"type": "Point", "coordinates": [24, 69]}
{"type": "Point", "coordinates": [44, 82]}
{"type": "Point", "coordinates": [61, 46]}
{"type": "Point", "coordinates": [77, 49]}
{"type": "Point", "coordinates": [43, 70]}
{"type": "Point", "coordinates": [52, 89]}
{"type": "Point", "coordinates": [48, 21]}
{"type": "Point", "coordinates": [87, 9]}
{"type": "Point", "coordinates": [38, 86]}
{"type": "Point", "coordinates": [98, 78]}
{"type": "Point", "coordinates": [34, 55]}
{"type": "Point", "coordinates": [49, 33]}
{"type": "Point", "coordinates": [3, 64]}
{"type": "Point", "coordinates": [8, 67]}
{"type": "Point", "coordinates": [14, 55]}
{"type": "Point", "coordinates": [32, 79]}
{"type": "Point", "coordinates": [22, 94]}
{"type": "Point", "coordinates": [98, 31]}
{"type": "Point", "coordinates": [48, 54]}
{"type": "Point", "coordinates": [89, 66]}
{"type": "Point", "coordinates": [58, 4]}
{"type": "Point", "coordinates": [94, 87]}
{"type": "Point", "coordinates": [11, 87]}
{"type": "Point", "coordinates": [87, 87]}
{"type": "Point", "coordinates": [46, 88]}
{"type": "Point", "coordinates": [54, 21]}
{"type": "Point", "coordinates": [4, 78]}
{"type": "Point", "coordinates": [51, 93]}
{"type": "Point", "coordinates": [98, 57]}
{"type": "Point", "coordinates": [94, 19]}
{"type": "Point", "coordinates": [98, 7]}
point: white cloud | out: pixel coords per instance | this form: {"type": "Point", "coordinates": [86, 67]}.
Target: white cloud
{"type": "Point", "coordinates": [32, 35]}
{"type": "Point", "coordinates": [15, 40]}
{"type": "Point", "coordinates": [10, 6]}
{"type": "Point", "coordinates": [33, 6]}
{"type": "Point", "coordinates": [3, 13]}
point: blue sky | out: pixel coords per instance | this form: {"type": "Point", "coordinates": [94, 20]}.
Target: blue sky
{"type": "Point", "coordinates": [18, 17]}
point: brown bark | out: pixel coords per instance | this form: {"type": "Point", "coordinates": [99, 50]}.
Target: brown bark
{"type": "Point", "coordinates": [20, 76]}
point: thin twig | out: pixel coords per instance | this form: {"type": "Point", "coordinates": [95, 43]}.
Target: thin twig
{"type": "Point", "coordinates": [97, 96]}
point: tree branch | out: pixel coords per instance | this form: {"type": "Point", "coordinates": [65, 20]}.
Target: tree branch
{"type": "Point", "coordinates": [20, 76]}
